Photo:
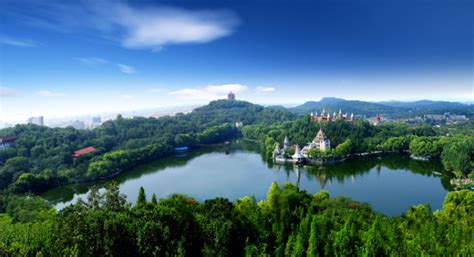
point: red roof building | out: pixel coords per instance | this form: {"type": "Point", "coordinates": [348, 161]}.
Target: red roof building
{"type": "Point", "coordinates": [83, 151]}
{"type": "Point", "coordinates": [7, 139]}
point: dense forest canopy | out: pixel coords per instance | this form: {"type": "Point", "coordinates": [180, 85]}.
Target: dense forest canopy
{"type": "Point", "coordinates": [41, 156]}
{"type": "Point", "coordinates": [456, 150]}
{"type": "Point", "coordinates": [289, 222]}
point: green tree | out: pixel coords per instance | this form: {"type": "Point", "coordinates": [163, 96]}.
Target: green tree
{"type": "Point", "coordinates": [141, 199]}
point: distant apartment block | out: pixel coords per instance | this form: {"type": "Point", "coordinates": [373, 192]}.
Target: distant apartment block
{"type": "Point", "coordinates": [95, 122]}
{"type": "Point", "coordinates": [77, 124]}
{"type": "Point", "coordinates": [449, 118]}
{"type": "Point", "coordinates": [96, 119]}
{"type": "Point", "coordinates": [36, 120]}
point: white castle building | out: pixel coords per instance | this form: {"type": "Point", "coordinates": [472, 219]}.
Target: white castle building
{"type": "Point", "coordinates": [320, 142]}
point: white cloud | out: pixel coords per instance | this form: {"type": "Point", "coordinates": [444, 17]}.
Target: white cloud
{"type": "Point", "coordinates": [126, 68]}
{"type": "Point", "coordinates": [147, 26]}
{"type": "Point", "coordinates": [91, 60]}
{"type": "Point", "coordinates": [16, 42]}
{"type": "Point", "coordinates": [6, 91]}
{"type": "Point", "coordinates": [260, 89]}
{"type": "Point", "coordinates": [208, 92]}
{"type": "Point", "coordinates": [155, 27]}
{"type": "Point", "coordinates": [47, 93]}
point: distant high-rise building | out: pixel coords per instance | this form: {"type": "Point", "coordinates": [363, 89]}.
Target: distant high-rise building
{"type": "Point", "coordinates": [95, 122]}
{"type": "Point", "coordinates": [36, 120]}
{"type": "Point", "coordinates": [230, 96]}
{"type": "Point", "coordinates": [78, 124]}
{"type": "Point", "coordinates": [96, 119]}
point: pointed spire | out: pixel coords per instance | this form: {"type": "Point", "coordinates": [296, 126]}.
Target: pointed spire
{"type": "Point", "coordinates": [297, 155]}
{"type": "Point", "coordinates": [286, 143]}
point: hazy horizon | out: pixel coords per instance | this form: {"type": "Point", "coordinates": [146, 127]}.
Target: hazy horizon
{"type": "Point", "coordinates": [70, 117]}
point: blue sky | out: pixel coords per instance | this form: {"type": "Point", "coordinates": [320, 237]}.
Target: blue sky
{"type": "Point", "coordinates": [59, 58]}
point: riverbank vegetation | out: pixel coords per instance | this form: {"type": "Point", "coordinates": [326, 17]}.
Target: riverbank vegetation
{"type": "Point", "coordinates": [41, 156]}
{"type": "Point", "coordinates": [351, 138]}
{"type": "Point", "coordinates": [289, 222]}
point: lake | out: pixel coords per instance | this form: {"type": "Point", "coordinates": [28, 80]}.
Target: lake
{"type": "Point", "coordinates": [390, 184]}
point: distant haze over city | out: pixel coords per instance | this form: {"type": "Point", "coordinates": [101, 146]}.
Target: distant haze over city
{"type": "Point", "coordinates": [395, 110]}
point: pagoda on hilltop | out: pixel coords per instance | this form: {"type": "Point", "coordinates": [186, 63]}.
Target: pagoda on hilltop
{"type": "Point", "coordinates": [230, 96]}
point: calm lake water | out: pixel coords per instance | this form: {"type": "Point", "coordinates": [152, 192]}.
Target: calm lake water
{"type": "Point", "coordinates": [390, 184]}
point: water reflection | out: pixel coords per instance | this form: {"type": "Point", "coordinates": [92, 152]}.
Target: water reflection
{"type": "Point", "coordinates": [353, 169]}
{"type": "Point", "coordinates": [390, 183]}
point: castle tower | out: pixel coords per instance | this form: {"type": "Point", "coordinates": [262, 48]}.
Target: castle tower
{"type": "Point", "coordinates": [298, 157]}
{"type": "Point", "coordinates": [286, 143]}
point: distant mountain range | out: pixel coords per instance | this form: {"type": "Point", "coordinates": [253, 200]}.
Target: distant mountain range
{"type": "Point", "coordinates": [390, 108]}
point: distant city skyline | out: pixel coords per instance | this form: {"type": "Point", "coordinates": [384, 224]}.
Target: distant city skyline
{"type": "Point", "coordinates": [61, 59]}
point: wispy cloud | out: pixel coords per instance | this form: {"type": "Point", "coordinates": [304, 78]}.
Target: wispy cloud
{"type": "Point", "coordinates": [91, 60]}
{"type": "Point", "coordinates": [260, 89]}
{"type": "Point", "coordinates": [127, 69]}
{"type": "Point", "coordinates": [47, 93]}
{"type": "Point", "coordinates": [208, 92]}
{"type": "Point", "coordinates": [6, 91]}
{"type": "Point", "coordinates": [147, 26]}
{"type": "Point", "coordinates": [16, 42]}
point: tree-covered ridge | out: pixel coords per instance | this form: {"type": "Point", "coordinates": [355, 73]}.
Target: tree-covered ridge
{"type": "Point", "coordinates": [390, 108]}
{"type": "Point", "coordinates": [289, 222]}
{"type": "Point", "coordinates": [223, 111]}
{"type": "Point", "coordinates": [41, 156]}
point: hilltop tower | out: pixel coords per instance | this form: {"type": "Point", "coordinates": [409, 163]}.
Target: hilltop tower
{"type": "Point", "coordinates": [230, 96]}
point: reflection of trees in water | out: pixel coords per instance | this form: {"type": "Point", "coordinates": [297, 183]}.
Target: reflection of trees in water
{"type": "Point", "coordinates": [323, 175]}
{"type": "Point", "coordinates": [350, 169]}
{"type": "Point", "coordinates": [66, 193]}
